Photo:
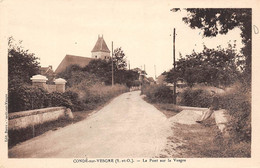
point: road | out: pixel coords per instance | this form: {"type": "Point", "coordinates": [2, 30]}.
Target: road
{"type": "Point", "coordinates": [126, 127]}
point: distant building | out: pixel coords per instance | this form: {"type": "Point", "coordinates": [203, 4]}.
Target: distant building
{"type": "Point", "coordinates": [100, 51]}
{"type": "Point", "coordinates": [71, 60]}
{"type": "Point", "coordinates": [151, 80]}
{"type": "Point", "coordinates": [48, 72]}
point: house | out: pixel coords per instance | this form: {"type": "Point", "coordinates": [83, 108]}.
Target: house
{"type": "Point", "coordinates": [48, 72]}
{"type": "Point", "coordinates": [100, 51]}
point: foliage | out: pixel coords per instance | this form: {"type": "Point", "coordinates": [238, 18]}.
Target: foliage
{"type": "Point", "coordinates": [158, 93]}
{"type": "Point", "coordinates": [25, 97]}
{"type": "Point", "coordinates": [217, 67]}
{"type": "Point", "coordinates": [119, 59]}
{"type": "Point", "coordinates": [100, 94]}
{"type": "Point", "coordinates": [74, 75]}
{"type": "Point", "coordinates": [101, 69]}
{"type": "Point", "coordinates": [206, 142]}
{"type": "Point", "coordinates": [127, 77]}
{"type": "Point", "coordinates": [214, 21]}
{"type": "Point", "coordinates": [22, 65]}
{"type": "Point", "coordinates": [195, 98]}
{"type": "Point", "coordinates": [238, 104]}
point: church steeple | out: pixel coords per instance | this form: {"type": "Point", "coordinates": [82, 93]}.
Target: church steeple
{"type": "Point", "coordinates": [100, 45]}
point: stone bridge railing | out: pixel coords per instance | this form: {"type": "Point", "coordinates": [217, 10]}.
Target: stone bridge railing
{"type": "Point", "coordinates": [24, 119]}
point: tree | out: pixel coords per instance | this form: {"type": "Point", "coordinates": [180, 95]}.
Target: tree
{"type": "Point", "coordinates": [74, 75]}
{"type": "Point", "coordinates": [119, 59]}
{"type": "Point", "coordinates": [220, 21]}
{"type": "Point", "coordinates": [22, 65]}
{"type": "Point", "coordinates": [127, 77]}
{"type": "Point", "coordinates": [102, 69]}
{"type": "Point", "coordinates": [217, 67]}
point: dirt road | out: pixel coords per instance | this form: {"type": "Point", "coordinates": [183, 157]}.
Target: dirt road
{"type": "Point", "coordinates": [126, 127]}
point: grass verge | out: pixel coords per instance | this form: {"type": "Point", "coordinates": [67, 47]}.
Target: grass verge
{"type": "Point", "coordinates": [203, 141]}
{"type": "Point", "coordinates": [167, 109]}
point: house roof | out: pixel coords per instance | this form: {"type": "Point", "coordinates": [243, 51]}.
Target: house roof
{"type": "Point", "coordinates": [71, 60]}
{"type": "Point", "coordinates": [100, 45]}
{"type": "Point", "coordinates": [45, 70]}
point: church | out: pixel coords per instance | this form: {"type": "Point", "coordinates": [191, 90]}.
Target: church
{"type": "Point", "coordinates": [100, 51]}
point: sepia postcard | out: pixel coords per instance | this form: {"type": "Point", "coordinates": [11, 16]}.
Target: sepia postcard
{"type": "Point", "coordinates": [121, 83]}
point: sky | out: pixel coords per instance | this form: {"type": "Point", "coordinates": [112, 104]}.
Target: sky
{"type": "Point", "coordinates": [53, 28]}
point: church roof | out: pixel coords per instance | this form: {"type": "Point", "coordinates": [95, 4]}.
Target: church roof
{"type": "Point", "coordinates": [100, 45]}
{"type": "Point", "coordinates": [71, 60]}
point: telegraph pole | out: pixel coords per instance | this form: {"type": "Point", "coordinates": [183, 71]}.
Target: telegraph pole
{"type": "Point", "coordinates": [155, 73]}
{"type": "Point", "coordinates": [112, 66]}
{"type": "Point", "coordinates": [174, 68]}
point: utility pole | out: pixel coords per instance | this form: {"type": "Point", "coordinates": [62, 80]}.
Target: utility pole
{"type": "Point", "coordinates": [112, 66]}
{"type": "Point", "coordinates": [155, 73]}
{"type": "Point", "coordinates": [174, 68]}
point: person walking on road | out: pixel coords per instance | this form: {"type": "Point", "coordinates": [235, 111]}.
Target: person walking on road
{"type": "Point", "coordinates": [214, 106]}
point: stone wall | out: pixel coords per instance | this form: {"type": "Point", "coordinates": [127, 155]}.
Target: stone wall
{"type": "Point", "coordinates": [51, 88]}
{"type": "Point", "coordinates": [24, 119]}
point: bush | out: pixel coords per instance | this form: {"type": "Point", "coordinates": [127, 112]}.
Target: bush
{"type": "Point", "coordinates": [99, 94]}
{"type": "Point", "coordinates": [158, 93]}
{"type": "Point", "coordinates": [77, 104]}
{"type": "Point", "coordinates": [195, 98]}
{"type": "Point", "coordinates": [238, 104]}
{"type": "Point", "coordinates": [24, 97]}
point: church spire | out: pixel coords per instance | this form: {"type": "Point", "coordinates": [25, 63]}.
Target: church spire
{"type": "Point", "coordinates": [100, 50]}
{"type": "Point", "coordinates": [100, 45]}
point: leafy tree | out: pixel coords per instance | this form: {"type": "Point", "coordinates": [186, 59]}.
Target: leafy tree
{"type": "Point", "coordinates": [217, 67]}
{"type": "Point", "coordinates": [220, 21]}
{"type": "Point", "coordinates": [119, 59]}
{"type": "Point", "coordinates": [127, 77]}
{"type": "Point", "coordinates": [22, 65]}
{"type": "Point", "coordinates": [75, 75]}
{"type": "Point", "coordinates": [102, 69]}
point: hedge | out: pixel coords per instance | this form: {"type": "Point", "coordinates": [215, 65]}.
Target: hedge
{"type": "Point", "coordinates": [158, 93]}
{"type": "Point", "coordinates": [26, 97]}
{"type": "Point", "coordinates": [195, 98]}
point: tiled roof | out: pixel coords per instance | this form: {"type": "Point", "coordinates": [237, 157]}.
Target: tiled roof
{"type": "Point", "coordinates": [100, 45]}
{"type": "Point", "coordinates": [70, 60]}
{"type": "Point", "coordinates": [45, 70]}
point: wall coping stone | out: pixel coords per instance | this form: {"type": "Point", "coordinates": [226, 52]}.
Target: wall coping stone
{"type": "Point", "coordinates": [38, 78]}
{"type": "Point", "coordinates": [33, 112]}
{"type": "Point", "coordinates": [60, 81]}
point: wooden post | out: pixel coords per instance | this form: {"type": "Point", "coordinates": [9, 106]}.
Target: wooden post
{"type": "Point", "coordinates": [174, 68]}
{"type": "Point", "coordinates": [112, 66]}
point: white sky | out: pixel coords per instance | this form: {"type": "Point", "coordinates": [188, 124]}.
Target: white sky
{"type": "Point", "coordinates": [53, 28]}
